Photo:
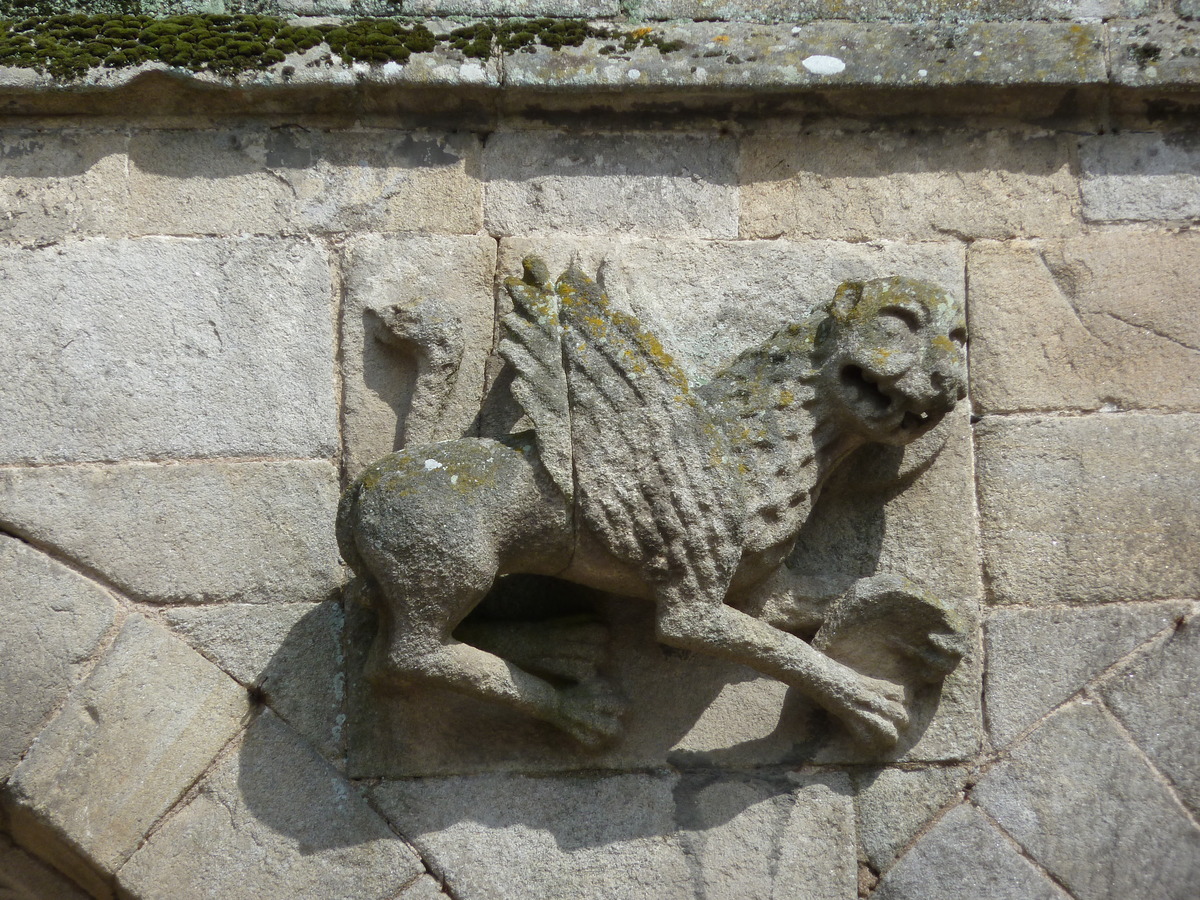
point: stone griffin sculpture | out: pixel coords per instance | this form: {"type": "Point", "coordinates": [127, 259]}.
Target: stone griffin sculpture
{"type": "Point", "coordinates": [635, 483]}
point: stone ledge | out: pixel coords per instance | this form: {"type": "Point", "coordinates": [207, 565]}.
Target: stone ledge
{"type": "Point", "coordinates": [714, 55]}
{"type": "Point", "coordinates": [1025, 70]}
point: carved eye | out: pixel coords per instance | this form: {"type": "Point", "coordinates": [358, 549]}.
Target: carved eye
{"type": "Point", "coordinates": [904, 314]}
{"type": "Point", "coordinates": [959, 336]}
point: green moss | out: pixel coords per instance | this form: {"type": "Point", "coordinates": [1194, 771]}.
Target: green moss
{"type": "Point", "coordinates": [67, 46]}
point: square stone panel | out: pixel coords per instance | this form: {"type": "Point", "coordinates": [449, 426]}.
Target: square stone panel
{"type": "Point", "coordinates": [1090, 508]}
{"type": "Point", "coordinates": [152, 348]}
{"type": "Point", "coordinates": [63, 183]}
{"type": "Point", "coordinates": [708, 300]}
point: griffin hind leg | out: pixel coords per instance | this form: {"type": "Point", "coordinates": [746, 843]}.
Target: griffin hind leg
{"type": "Point", "coordinates": [415, 644]}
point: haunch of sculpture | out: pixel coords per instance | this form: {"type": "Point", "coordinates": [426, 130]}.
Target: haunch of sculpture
{"type": "Point", "coordinates": [635, 483]}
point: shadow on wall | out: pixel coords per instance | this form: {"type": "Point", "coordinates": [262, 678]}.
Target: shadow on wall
{"type": "Point", "coordinates": [232, 152]}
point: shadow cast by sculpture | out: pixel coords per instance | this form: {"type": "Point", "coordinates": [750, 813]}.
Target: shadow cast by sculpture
{"type": "Point", "coordinates": [635, 484]}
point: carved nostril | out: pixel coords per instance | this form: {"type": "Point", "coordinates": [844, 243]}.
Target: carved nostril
{"type": "Point", "coordinates": [938, 380]}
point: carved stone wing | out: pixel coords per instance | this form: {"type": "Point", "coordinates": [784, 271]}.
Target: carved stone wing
{"type": "Point", "coordinates": [531, 342]}
{"type": "Point", "coordinates": [655, 480]}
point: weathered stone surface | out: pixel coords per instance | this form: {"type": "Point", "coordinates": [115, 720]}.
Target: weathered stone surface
{"type": "Point", "coordinates": [1036, 659]}
{"type": "Point", "coordinates": [665, 836]}
{"type": "Point", "coordinates": [875, 10]}
{"type": "Point", "coordinates": [292, 651]}
{"type": "Point", "coordinates": [130, 741]}
{"type": "Point", "coordinates": [965, 856]}
{"type": "Point", "coordinates": [1109, 829]}
{"type": "Point", "coordinates": [1141, 177]}
{"type": "Point", "coordinates": [735, 57]}
{"type": "Point", "coordinates": [1109, 319]}
{"type": "Point", "coordinates": [380, 373]}
{"type": "Point", "coordinates": [872, 184]}
{"type": "Point", "coordinates": [707, 301]}
{"type": "Point", "coordinates": [1155, 696]}
{"type": "Point", "coordinates": [295, 180]}
{"type": "Point", "coordinates": [731, 10]}
{"type": "Point", "coordinates": [24, 878]}
{"type": "Point", "coordinates": [407, 522]}
{"type": "Point", "coordinates": [54, 620]}
{"type": "Point", "coordinates": [255, 532]}
{"type": "Point", "coordinates": [586, 9]}
{"type": "Point", "coordinates": [894, 804]}
{"type": "Point", "coordinates": [424, 888]}
{"type": "Point", "coordinates": [1100, 507]}
{"type": "Point", "coordinates": [60, 183]}
{"type": "Point", "coordinates": [273, 820]}
{"type": "Point", "coordinates": [1155, 53]}
{"type": "Point", "coordinates": [752, 837]}
{"type": "Point", "coordinates": [668, 184]}
{"type": "Point", "coordinates": [159, 347]}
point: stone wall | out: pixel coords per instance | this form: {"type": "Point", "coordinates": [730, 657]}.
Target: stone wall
{"type": "Point", "coordinates": [192, 272]}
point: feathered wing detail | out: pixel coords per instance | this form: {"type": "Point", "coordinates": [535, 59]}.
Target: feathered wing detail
{"type": "Point", "coordinates": [655, 481]}
{"type": "Point", "coordinates": [531, 342]}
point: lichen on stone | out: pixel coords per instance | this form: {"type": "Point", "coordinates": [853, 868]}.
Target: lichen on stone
{"type": "Point", "coordinates": [67, 46]}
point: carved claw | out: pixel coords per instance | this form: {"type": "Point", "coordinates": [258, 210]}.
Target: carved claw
{"type": "Point", "coordinates": [874, 712]}
{"type": "Point", "coordinates": [888, 627]}
{"type": "Point", "coordinates": [590, 712]}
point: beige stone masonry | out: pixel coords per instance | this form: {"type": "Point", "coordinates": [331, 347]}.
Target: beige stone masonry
{"type": "Point", "coordinates": [1141, 177]}
{"type": "Point", "coordinates": [130, 741]}
{"type": "Point", "coordinates": [63, 183]}
{"type": "Point", "coordinates": [667, 836]}
{"type": "Point", "coordinates": [1090, 508]}
{"type": "Point", "coordinates": [291, 651]}
{"type": "Point", "coordinates": [23, 877]}
{"type": "Point", "coordinates": [163, 347]}
{"type": "Point", "coordinates": [873, 184]}
{"type": "Point", "coordinates": [1108, 827]}
{"type": "Point", "coordinates": [246, 180]}
{"type": "Point", "coordinates": [293, 180]}
{"type": "Point", "coordinates": [273, 821]}
{"type": "Point", "coordinates": [607, 183]}
{"type": "Point", "coordinates": [1103, 320]}
{"type": "Point", "coordinates": [190, 532]}
{"type": "Point", "coordinates": [54, 621]}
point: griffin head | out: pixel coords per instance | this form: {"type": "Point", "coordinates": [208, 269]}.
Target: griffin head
{"type": "Point", "coordinates": [891, 354]}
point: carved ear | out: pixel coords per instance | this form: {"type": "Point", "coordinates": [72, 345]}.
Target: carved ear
{"type": "Point", "coordinates": [849, 293]}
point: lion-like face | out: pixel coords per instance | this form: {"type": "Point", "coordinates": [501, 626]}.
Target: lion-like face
{"type": "Point", "coordinates": [897, 363]}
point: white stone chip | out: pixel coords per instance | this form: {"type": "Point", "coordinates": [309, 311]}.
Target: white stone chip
{"type": "Point", "coordinates": [823, 65]}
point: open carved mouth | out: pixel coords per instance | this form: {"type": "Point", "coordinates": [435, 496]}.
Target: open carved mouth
{"type": "Point", "coordinates": [879, 402]}
{"type": "Point", "coordinates": [864, 386]}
